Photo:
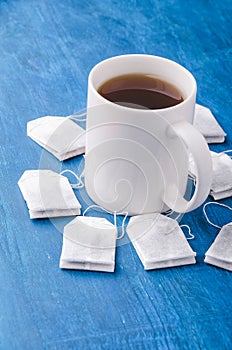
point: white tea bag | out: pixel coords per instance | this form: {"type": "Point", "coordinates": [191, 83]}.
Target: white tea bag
{"type": "Point", "coordinates": [159, 241]}
{"type": "Point", "coordinates": [48, 194]}
{"type": "Point", "coordinates": [220, 252]}
{"type": "Point", "coordinates": [222, 176]}
{"type": "Point", "coordinates": [221, 186]}
{"type": "Point", "coordinates": [89, 243]}
{"type": "Point", "coordinates": [207, 124]}
{"type": "Point", "coordinates": [59, 135]}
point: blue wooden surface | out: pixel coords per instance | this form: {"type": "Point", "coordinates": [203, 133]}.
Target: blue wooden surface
{"type": "Point", "coordinates": [47, 48]}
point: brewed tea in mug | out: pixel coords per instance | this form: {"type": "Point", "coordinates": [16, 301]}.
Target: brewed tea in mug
{"type": "Point", "coordinates": [140, 91]}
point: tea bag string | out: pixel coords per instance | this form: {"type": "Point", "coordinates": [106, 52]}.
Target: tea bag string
{"type": "Point", "coordinates": [123, 223]}
{"type": "Point", "coordinates": [206, 216]}
{"type": "Point", "coordinates": [191, 236]}
{"type": "Point", "coordinates": [115, 217]}
{"type": "Point", "coordinates": [170, 212]}
{"type": "Point", "coordinates": [78, 117]}
{"type": "Point", "coordinates": [79, 183]}
{"type": "Point", "coordinates": [191, 177]}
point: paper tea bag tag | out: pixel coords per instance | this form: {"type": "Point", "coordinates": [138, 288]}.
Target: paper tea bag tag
{"type": "Point", "coordinates": [48, 194]}
{"type": "Point", "coordinates": [207, 124]}
{"type": "Point", "coordinates": [159, 241]}
{"type": "Point", "coordinates": [59, 135]}
{"type": "Point", "coordinates": [220, 252]}
{"type": "Point", "coordinates": [89, 243]}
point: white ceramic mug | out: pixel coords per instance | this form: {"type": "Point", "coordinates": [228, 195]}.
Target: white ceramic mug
{"type": "Point", "coordinates": [137, 159]}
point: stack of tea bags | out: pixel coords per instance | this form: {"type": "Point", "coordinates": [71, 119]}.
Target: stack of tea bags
{"type": "Point", "coordinates": [206, 123]}
{"type": "Point", "coordinates": [59, 135]}
{"type": "Point", "coordinates": [48, 194]}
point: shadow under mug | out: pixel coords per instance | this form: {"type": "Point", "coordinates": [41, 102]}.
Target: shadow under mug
{"type": "Point", "coordinates": [137, 159]}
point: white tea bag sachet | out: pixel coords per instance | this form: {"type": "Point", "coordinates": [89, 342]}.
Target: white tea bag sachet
{"type": "Point", "coordinates": [207, 124]}
{"type": "Point", "coordinates": [48, 194]}
{"type": "Point", "coordinates": [89, 243]}
{"type": "Point", "coordinates": [59, 135]}
{"type": "Point", "coordinates": [220, 252]}
{"type": "Point", "coordinates": [159, 241]}
{"type": "Point", "coordinates": [221, 186]}
{"type": "Point", "coordinates": [222, 176]}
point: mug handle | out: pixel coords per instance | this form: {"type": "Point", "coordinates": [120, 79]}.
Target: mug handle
{"type": "Point", "coordinates": [196, 144]}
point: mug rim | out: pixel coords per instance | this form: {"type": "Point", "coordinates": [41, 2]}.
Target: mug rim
{"type": "Point", "coordinates": [125, 108]}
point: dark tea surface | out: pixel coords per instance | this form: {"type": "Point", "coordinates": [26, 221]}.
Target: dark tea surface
{"type": "Point", "coordinates": [140, 91]}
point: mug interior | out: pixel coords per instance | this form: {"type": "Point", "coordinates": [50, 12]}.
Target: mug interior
{"type": "Point", "coordinates": [159, 67]}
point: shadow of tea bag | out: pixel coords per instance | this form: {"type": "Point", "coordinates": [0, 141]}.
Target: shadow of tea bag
{"type": "Point", "coordinates": [89, 243]}
{"type": "Point", "coordinates": [159, 241]}
{"type": "Point", "coordinates": [48, 194]}
{"type": "Point", "coordinates": [207, 124]}
{"type": "Point", "coordinates": [59, 135]}
{"type": "Point", "coordinates": [220, 252]}
{"type": "Point", "coordinates": [221, 186]}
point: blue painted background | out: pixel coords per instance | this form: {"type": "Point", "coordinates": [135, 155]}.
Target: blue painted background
{"type": "Point", "coordinates": [47, 49]}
